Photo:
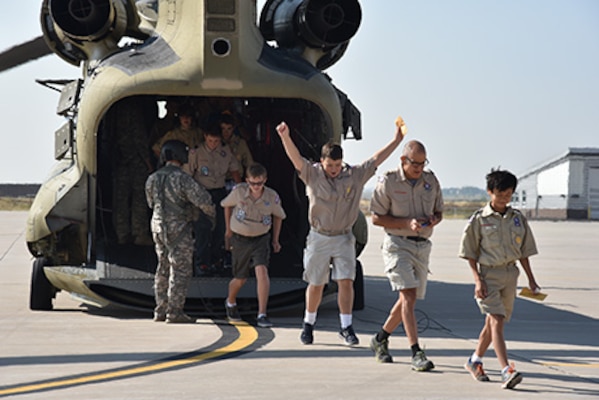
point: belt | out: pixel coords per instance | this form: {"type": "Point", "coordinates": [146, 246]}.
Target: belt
{"type": "Point", "coordinates": [332, 233]}
{"type": "Point", "coordinates": [415, 238]}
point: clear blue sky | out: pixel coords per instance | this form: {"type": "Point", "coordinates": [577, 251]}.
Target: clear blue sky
{"type": "Point", "coordinates": [508, 83]}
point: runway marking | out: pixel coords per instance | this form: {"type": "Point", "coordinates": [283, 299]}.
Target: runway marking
{"type": "Point", "coordinates": [248, 335]}
{"type": "Point", "coordinates": [562, 364]}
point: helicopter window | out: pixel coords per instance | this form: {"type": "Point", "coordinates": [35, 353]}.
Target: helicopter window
{"type": "Point", "coordinates": [221, 47]}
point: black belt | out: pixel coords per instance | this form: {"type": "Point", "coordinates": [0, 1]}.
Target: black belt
{"type": "Point", "coordinates": [415, 238]}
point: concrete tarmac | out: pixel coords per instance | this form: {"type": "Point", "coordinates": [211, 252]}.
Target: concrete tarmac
{"type": "Point", "coordinates": [75, 352]}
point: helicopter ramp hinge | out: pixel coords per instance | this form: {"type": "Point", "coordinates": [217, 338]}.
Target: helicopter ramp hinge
{"type": "Point", "coordinates": [69, 97]}
{"type": "Point", "coordinates": [63, 140]}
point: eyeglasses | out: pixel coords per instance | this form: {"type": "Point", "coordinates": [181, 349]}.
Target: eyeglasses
{"type": "Point", "coordinates": [259, 183]}
{"type": "Point", "coordinates": [417, 164]}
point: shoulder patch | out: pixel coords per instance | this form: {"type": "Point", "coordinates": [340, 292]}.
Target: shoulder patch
{"type": "Point", "coordinates": [475, 215]}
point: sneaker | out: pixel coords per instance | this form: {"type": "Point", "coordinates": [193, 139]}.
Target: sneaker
{"type": "Point", "coordinates": [348, 336]}
{"type": "Point", "coordinates": [232, 313]}
{"type": "Point", "coordinates": [307, 335]}
{"type": "Point", "coordinates": [381, 350]}
{"type": "Point", "coordinates": [510, 378]}
{"type": "Point", "coordinates": [159, 317]}
{"type": "Point", "coordinates": [179, 318]}
{"type": "Point", "coordinates": [420, 363]}
{"type": "Point", "coordinates": [263, 322]}
{"type": "Point", "coordinates": [476, 370]}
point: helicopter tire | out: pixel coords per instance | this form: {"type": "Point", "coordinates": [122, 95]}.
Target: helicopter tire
{"type": "Point", "coordinates": [41, 291]}
{"type": "Point", "coordinates": [359, 287]}
{"type": "Point", "coordinates": [360, 231]}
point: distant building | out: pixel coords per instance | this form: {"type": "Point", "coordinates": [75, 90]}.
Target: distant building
{"type": "Point", "coordinates": [566, 187]}
{"type": "Point", "coordinates": [19, 189]}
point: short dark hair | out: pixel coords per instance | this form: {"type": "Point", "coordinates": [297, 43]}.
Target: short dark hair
{"type": "Point", "coordinates": [501, 180]}
{"type": "Point", "coordinates": [331, 150]}
{"type": "Point", "coordinates": [255, 170]}
{"type": "Point", "coordinates": [226, 118]}
{"type": "Point", "coordinates": [213, 130]}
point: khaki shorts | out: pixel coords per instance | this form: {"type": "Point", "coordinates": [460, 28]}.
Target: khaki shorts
{"type": "Point", "coordinates": [502, 283]}
{"type": "Point", "coordinates": [321, 251]}
{"type": "Point", "coordinates": [406, 263]}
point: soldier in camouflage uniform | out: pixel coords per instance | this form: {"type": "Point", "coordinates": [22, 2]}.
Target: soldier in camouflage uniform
{"type": "Point", "coordinates": [132, 166]}
{"type": "Point", "coordinates": [173, 196]}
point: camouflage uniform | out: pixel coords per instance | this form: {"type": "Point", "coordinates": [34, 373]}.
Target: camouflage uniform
{"type": "Point", "coordinates": [131, 169]}
{"type": "Point", "coordinates": [172, 195]}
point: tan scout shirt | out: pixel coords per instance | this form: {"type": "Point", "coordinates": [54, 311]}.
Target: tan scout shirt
{"type": "Point", "coordinates": [335, 203]}
{"type": "Point", "coordinates": [192, 138]}
{"type": "Point", "coordinates": [397, 196]}
{"type": "Point", "coordinates": [496, 240]}
{"type": "Point", "coordinates": [210, 167]}
{"type": "Point", "coordinates": [242, 152]}
{"type": "Point", "coordinates": [252, 217]}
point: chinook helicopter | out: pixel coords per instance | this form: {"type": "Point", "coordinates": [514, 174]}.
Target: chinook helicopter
{"type": "Point", "coordinates": [138, 57]}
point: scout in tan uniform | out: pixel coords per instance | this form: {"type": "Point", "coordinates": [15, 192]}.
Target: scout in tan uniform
{"type": "Point", "coordinates": [334, 192]}
{"type": "Point", "coordinates": [186, 132]}
{"type": "Point", "coordinates": [495, 237]}
{"type": "Point", "coordinates": [238, 145]}
{"type": "Point", "coordinates": [209, 164]}
{"type": "Point", "coordinates": [408, 203]}
{"type": "Point", "coordinates": [251, 209]}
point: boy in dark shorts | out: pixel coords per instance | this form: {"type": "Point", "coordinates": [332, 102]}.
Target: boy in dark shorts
{"type": "Point", "coordinates": [251, 209]}
{"type": "Point", "coordinates": [495, 238]}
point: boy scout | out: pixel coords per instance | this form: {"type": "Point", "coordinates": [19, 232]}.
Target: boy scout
{"type": "Point", "coordinates": [238, 145]}
{"type": "Point", "coordinates": [250, 210]}
{"type": "Point", "coordinates": [209, 164]}
{"type": "Point", "coordinates": [408, 203]}
{"type": "Point", "coordinates": [334, 193]}
{"type": "Point", "coordinates": [495, 237]}
{"type": "Point", "coordinates": [186, 132]}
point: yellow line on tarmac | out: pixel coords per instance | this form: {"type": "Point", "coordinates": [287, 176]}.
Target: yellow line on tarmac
{"type": "Point", "coordinates": [558, 364]}
{"type": "Point", "coordinates": [247, 336]}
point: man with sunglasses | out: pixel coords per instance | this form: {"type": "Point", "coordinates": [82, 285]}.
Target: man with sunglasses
{"type": "Point", "coordinates": [408, 203]}
{"type": "Point", "coordinates": [334, 193]}
{"type": "Point", "coordinates": [251, 209]}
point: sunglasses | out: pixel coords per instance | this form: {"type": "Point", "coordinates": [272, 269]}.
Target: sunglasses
{"type": "Point", "coordinates": [258, 183]}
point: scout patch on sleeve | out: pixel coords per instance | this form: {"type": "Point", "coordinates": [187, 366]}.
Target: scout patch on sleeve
{"type": "Point", "coordinates": [240, 215]}
{"type": "Point", "coordinates": [517, 222]}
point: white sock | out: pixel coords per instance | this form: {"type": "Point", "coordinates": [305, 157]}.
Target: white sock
{"type": "Point", "coordinates": [346, 320]}
{"type": "Point", "coordinates": [231, 305]}
{"type": "Point", "coordinates": [310, 317]}
{"type": "Point", "coordinates": [475, 358]}
{"type": "Point", "coordinates": [261, 315]}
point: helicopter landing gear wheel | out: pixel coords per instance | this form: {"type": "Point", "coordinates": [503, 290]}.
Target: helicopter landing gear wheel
{"type": "Point", "coordinates": [41, 292]}
{"type": "Point", "coordinates": [359, 287]}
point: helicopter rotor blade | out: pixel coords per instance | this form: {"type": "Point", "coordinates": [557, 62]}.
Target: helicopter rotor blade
{"type": "Point", "coordinates": [23, 53]}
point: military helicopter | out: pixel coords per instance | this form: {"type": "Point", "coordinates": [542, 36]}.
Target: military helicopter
{"type": "Point", "coordinates": [137, 56]}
